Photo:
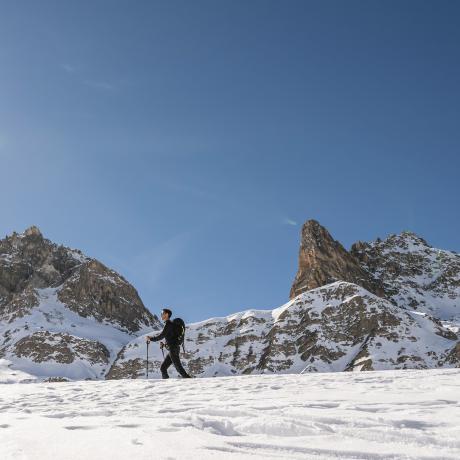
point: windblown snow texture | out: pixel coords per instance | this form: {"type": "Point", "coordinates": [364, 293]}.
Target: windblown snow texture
{"type": "Point", "coordinates": [410, 415]}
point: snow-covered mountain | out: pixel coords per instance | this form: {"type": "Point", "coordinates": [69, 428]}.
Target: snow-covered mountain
{"type": "Point", "coordinates": [414, 275]}
{"type": "Point", "coordinates": [349, 311]}
{"type": "Point", "coordinates": [391, 304]}
{"type": "Point", "coordinates": [63, 315]}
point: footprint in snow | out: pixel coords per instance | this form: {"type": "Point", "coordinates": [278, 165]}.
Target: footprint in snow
{"type": "Point", "coordinates": [322, 405]}
{"type": "Point", "coordinates": [79, 427]}
{"type": "Point", "coordinates": [168, 429]}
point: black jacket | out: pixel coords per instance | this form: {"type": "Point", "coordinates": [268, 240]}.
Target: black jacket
{"type": "Point", "coordinates": [169, 333]}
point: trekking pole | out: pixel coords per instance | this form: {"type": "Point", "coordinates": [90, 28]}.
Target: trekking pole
{"type": "Point", "coordinates": [162, 350]}
{"type": "Point", "coordinates": [147, 364]}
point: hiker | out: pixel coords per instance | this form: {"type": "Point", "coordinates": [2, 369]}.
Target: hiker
{"type": "Point", "coordinates": [171, 334]}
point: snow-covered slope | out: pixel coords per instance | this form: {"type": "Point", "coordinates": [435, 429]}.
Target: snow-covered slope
{"type": "Point", "coordinates": [9, 375]}
{"type": "Point", "coordinates": [53, 341]}
{"type": "Point", "coordinates": [386, 415]}
{"type": "Point", "coordinates": [337, 327]}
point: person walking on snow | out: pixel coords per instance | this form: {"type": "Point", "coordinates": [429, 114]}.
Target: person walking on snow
{"type": "Point", "coordinates": [171, 336]}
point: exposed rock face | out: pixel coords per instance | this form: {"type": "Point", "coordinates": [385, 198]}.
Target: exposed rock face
{"type": "Point", "coordinates": [61, 348]}
{"type": "Point", "coordinates": [94, 290]}
{"type": "Point", "coordinates": [29, 262]}
{"type": "Point", "coordinates": [338, 327]}
{"type": "Point", "coordinates": [454, 355]}
{"type": "Point", "coordinates": [62, 310]}
{"type": "Point", "coordinates": [130, 369]}
{"type": "Point", "coordinates": [322, 260]}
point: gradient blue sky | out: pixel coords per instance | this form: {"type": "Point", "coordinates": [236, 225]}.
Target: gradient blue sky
{"type": "Point", "coordinates": [184, 143]}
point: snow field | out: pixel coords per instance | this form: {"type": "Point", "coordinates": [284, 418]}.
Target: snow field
{"type": "Point", "coordinates": [370, 415]}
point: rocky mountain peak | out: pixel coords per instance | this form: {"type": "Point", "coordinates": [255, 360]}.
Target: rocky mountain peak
{"type": "Point", "coordinates": [315, 235]}
{"type": "Point", "coordinates": [21, 244]}
{"type": "Point", "coordinates": [30, 262]}
{"type": "Point", "coordinates": [59, 307]}
{"type": "Point", "coordinates": [33, 231]}
{"type": "Point", "coordinates": [323, 260]}
{"type": "Point", "coordinates": [414, 274]}
{"type": "Point", "coordinates": [406, 241]}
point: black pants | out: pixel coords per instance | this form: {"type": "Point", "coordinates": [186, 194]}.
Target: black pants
{"type": "Point", "coordinates": [173, 358]}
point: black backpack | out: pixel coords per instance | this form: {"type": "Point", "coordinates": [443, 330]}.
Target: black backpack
{"type": "Point", "coordinates": [179, 325]}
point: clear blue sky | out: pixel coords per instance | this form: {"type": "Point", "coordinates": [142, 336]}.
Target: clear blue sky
{"type": "Point", "coordinates": [184, 143]}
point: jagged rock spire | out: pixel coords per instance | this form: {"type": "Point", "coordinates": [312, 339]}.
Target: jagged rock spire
{"type": "Point", "coordinates": [323, 260]}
